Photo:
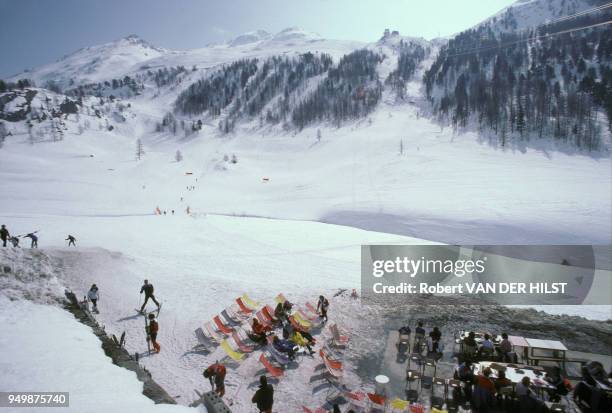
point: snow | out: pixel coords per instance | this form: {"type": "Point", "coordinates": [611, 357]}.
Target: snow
{"type": "Point", "coordinates": [298, 232]}
{"type": "Point", "coordinates": [35, 346]}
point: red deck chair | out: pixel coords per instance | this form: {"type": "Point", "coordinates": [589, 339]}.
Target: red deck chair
{"type": "Point", "coordinates": [262, 319]}
{"type": "Point", "coordinates": [417, 408]}
{"type": "Point", "coordinates": [312, 308]}
{"type": "Point", "coordinates": [274, 371]}
{"type": "Point", "coordinates": [333, 367]}
{"type": "Point", "coordinates": [310, 317]}
{"type": "Point", "coordinates": [377, 400]}
{"type": "Point", "coordinates": [243, 308]}
{"type": "Point", "coordinates": [268, 312]}
{"type": "Point", "coordinates": [241, 346]}
{"type": "Point", "coordinates": [222, 327]}
{"type": "Point", "coordinates": [295, 324]}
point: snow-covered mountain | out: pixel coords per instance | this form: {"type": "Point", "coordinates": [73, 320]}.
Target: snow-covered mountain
{"type": "Point", "coordinates": [95, 63]}
{"type": "Point", "coordinates": [525, 14]}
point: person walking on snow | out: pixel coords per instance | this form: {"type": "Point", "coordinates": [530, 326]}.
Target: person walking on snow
{"type": "Point", "coordinates": [92, 295]}
{"type": "Point", "coordinates": [148, 291]}
{"type": "Point", "coordinates": [34, 239]}
{"type": "Point", "coordinates": [322, 306]}
{"type": "Point", "coordinates": [153, 329]}
{"type": "Point", "coordinates": [264, 396]}
{"type": "Point", "coordinates": [71, 240]}
{"type": "Point", "coordinates": [4, 235]}
{"type": "Point", "coordinates": [215, 373]}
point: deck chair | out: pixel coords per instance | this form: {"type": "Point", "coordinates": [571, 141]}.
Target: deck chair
{"type": "Point", "coordinates": [338, 340]}
{"type": "Point", "coordinates": [231, 319]}
{"type": "Point", "coordinates": [233, 354]}
{"type": "Point", "coordinates": [237, 314]}
{"type": "Point", "coordinates": [356, 401]}
{"type": "Point", "coordinates": [310, 317]}
{"type": "Point", "coordinates": [268, 312]}
{"type": "Point", "coordinates": [273, 370]}
{"type": "Point", "coordinates": [417, 408]}
{"type": "Point", "coordinates": [302, 321]}
{"type": "Point", "coordinates": [377, 401]}
{"type": "Point", "coordinates": [262, 319]}
{"type": "Point", "coordinates": [295, 324]}
{"type": "Point", "coordinates": [312, 308]}
{"type": "Point", "coordinates": [203, 339]}
{"type": "Point", "coordinates": [250, 303]}
{"type": "Point", "coordinates": [222, 327]}
{"type": "Point", "coordinates": [333, 367]}
{"type": "Point", "coordinates": [280, 298]}
{"type": "Point", "coordinates": [210, 332]}
{"type": "Point", "coordinates": [280, 357]}
{"type": "Point", "coordinates": [398, 405]}
{"type": "Point", "coordinates": [241, 346]}
{"type": "Point", "coordinates": [243, 307]}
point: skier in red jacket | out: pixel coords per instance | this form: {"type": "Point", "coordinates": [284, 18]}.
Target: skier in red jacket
{"type": "Point", "coordinates": [215, 373]}
{"type": "Point", "coordinates": [153, 329]}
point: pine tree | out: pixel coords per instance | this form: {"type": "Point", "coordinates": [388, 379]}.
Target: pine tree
{"type": "Point", "coordinates": [139, 150]}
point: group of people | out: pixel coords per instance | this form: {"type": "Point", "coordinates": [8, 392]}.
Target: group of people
{"type": "Point", "coordinates": [487, 348]}
{"type": "Point", "coordinates": [484, 391]}
{"type": "Point", "coordinates": [432, 341]}
{"type": "Point", "coordinates": [293, 337]}
{"type": "Point", "coordinates": [152, 327]}
{"type": "Point", "coordinates": [6, 237]}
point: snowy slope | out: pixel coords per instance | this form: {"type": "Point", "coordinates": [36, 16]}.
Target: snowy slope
{"type": "Point", "coordinates": [524, 14]}
{"type": "Point", "coordinates": [47, 351]}
{"type": "Point", "coordinates": [131, 55]}
{"type": "Point", "coordinates": [96, 63]}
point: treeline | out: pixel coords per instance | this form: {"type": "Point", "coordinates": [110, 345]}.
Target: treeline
{"type": "Point", "coordinates": [410, 55]}
{"type": "Point", "coordinates": [527, 84]}
{"type": "Point", "coordinates": [19, 84]}
{"type": "Point", "coordinates": [294, 91]}
{"type": "Point", "coordinates": [216, 92]}
{"type": "Point", "coordinates": [351, 90]}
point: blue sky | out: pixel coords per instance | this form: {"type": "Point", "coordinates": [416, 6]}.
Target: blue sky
{"type": "Point", "coordinates": [34, 32]}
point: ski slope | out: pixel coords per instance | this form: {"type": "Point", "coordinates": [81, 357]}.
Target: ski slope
{"type": "Point", "coordinates": [288, 217]}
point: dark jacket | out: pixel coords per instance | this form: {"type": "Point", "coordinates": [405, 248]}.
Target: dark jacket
{"type": "Point", "coordinates": [148, 289]}
{"type": "Point", "coordinates": [264, 397]}
{"type": "Point", "coordinates": [4, 234]}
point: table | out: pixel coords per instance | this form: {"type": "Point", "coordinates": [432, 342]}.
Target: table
{"type": "Point", "coordinates": [381, 384]}
{"type": "Point", "coordinates": [514, 374]}
{"type": "Point", "coordinates": [553, 351]}
{"type": "Point", "coordinates": [479, 337]}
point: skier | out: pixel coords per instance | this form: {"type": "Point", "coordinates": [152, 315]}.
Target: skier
{"type": "Point", "coordinates": [92, 294]}
{"type": "Point", "coordinates": [264, 396]}
{"type": "Point", "coordinates": [215, 373]}
{"type": "Point", "coordinates": [4, 235]}
{"type": "Point", "coordinates": [148, 290]}
{"type": "Point", "coordinates": [71, 240]}
{"type": "Point", "coordinates": [153, 329]}
{"type": "Point", "coordinates": [34, 239]}
{"type": "Point", "coordinates": [322, 306]}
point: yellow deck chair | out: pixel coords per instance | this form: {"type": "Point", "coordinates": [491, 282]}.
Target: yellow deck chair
{"type": "Point", "coordinates": [251, 303]}
{"type": "Point", "coordinates": [302, 321]}
{"type": "Point", "coordinates": [231, 352]}
{"type": "Point", "coordinates": [399, 405]}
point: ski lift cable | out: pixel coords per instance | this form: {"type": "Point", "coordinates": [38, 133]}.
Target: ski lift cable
{"type": "Point", "coordinates": [578, 14]}
{"type": "Point", "coordinates": [559, 19]}
{"type": "Point", "coordinates": [500, 46]}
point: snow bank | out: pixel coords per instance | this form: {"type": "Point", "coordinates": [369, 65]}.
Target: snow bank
{"type": "Point", "coordinates": [43, 348]}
